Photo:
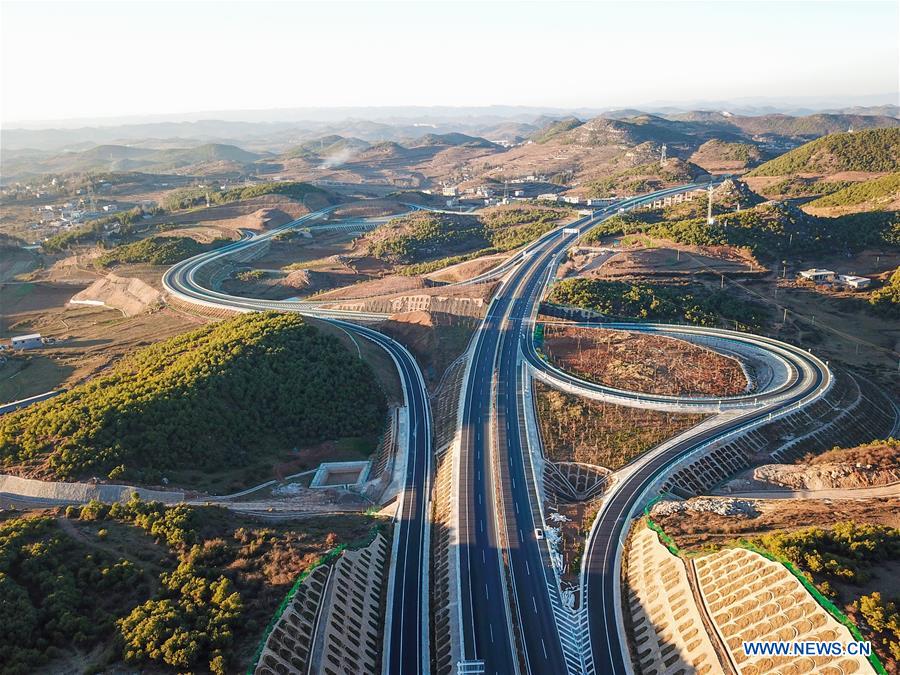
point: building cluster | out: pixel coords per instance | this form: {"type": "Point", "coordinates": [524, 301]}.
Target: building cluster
{"type": "Point", "coordinates": [831, 278]}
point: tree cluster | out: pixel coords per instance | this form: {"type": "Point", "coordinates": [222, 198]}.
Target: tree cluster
{"type": "Point", "coordinates": [874, 150]}
{"type": "Point", "coordinates": [652, 302]}
{"type": "Point", "coordinates": [156, 251]}
{"type": "Point", "coordinates": [216, 396]}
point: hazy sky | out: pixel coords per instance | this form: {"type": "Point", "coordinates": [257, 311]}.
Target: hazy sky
{"type": "Point", "coordinates": [77, 59]}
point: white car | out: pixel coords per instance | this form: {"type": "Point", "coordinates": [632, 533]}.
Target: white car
{"type": "Point", "coordinates": [538, 533]}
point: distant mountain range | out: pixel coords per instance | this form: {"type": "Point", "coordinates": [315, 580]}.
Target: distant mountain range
{"type": "Point", "coordinates": [265, 146]}
{"type": "Point", "coordinates": [274, 131]}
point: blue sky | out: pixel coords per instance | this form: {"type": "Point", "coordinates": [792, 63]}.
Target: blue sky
{"type": "Point", "coordinates": [75, 59]}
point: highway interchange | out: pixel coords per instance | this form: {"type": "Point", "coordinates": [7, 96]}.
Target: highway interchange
{"type": "Point", "coordinates": [509, 599]}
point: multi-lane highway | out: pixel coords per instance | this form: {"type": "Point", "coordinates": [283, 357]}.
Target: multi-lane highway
{"type": "Point", "coordinates": [497, 502]}
{"type": "Point", "coordinates": [406, 632]}
{"type": "Point", "coordinates": [506, 589]}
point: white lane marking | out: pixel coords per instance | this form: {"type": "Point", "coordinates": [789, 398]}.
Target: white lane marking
{"type": "Point", "coordinates": [487, 595]}
{"type": "Point", "coordinates": [544, 647]}
{"type": "Point", "coordinates": [483, 559]}
{"type": "Point", "coordinates": [517, 508]}
{"type": "Point", "coordinates": [534, 602]}
{"type": "Point", "coordinates": [527, 568]}
{"type": "Point", "coordinates": [491, 626]}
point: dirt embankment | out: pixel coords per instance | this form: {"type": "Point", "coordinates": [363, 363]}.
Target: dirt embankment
{"type": "Point", "coordinates": [129, 295]}
{"type": "Point", "coordinates": [869, 465]}
{"type": "Point", "coordinates": [466, 301]}
{"type": "Point", "coordinates": [646, 363]}
{"type": "Point", "coordinates": [434, 338]}
{"type": "Point", "coordinates": [693, 528]}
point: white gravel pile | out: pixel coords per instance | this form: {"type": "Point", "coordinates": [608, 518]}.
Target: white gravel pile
{"type": "Point", "coordinates": [723, 506]}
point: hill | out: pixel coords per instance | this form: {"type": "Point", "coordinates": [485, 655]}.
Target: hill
{"type": "Point", "coordinates": [644, 178]}
{"type": "Point", "coordinates": [768, 230]}
{"type": "Point", "coordinates": [552, 128]}
{"type": "Point", "coordinates": [428, 241]}
{"type": "Point", "coordinates": [326, 146]}
{"type": "Point", "coordinates": [118, 158]}
{"type": "Point", "coordinates": [878, 194]}
{"type": "Point", "coordinates": [452, 139]}
{"type": "Point", "coordinates": [220, 396]}
{"type": "Point", "coordinates": [719, 155]}
{"type": "Point", "coordinates": [797, 128]}
{"type": "Point", "coordinates": [872, 150]}
{"type": "Point", "coordinates": [211, 152]}
{"type": "Point", "coordinates": [156, 251]}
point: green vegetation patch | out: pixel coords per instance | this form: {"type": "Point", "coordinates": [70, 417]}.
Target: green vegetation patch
{"type": "Point", "coordinates": [121, 223]}
{"type": "Point", "coordinates": [767, 230]}
{"type": "Point", "coordinates": [644, 178]}
{"type": "Point", "coordinates": [886, 300]}
{"type": "Point", "coordinates": [220, 396]}
{"type": "Point", "coordinates": [424, 239]}
{"type": "Point", "coordinates": [189, 198]}
{"type": "Point", "coordinates": [875, 150]}
{"type": "Point", "coordinates": [148, 587]}
{"type": "Point", "coordinates": [424, 235]}
{"type": "Point", "coordinates": [885, 188]}
{"type": "Point", "coordinates": [794, 187]}
{"type": "Point", "coordinates": [845, 554]}
{"type": "Point", "coordinates": [157, 251]}
{"type": "Point", "coordinates": [653, 302]}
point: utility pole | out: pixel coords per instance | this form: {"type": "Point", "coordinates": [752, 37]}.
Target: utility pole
{"type": "Point", "coordinates": [662, 155]}
{"type": "Point", "coordinates": [709, 215]}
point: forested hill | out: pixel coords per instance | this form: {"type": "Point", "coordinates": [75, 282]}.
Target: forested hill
{"type": "Point", "coordinates": [218, 396]}
{"type": "Point", "coordinates": [875, 150]}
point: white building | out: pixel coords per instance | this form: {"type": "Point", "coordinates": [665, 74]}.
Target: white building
{"type": "Point", "coordinates": [450, 192]}
{"type": "Point", "coordinates": [32, 341]}
{"type": "Point", "coordinates": [853, 281]}
{"type": "Point", "coordinates": [549, 197]}
{"type": "Point", "coordinates": [818, 276]}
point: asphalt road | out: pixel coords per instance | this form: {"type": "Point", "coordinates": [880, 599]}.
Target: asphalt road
{"type": "Point", "coordinates": [486, 617]}
{"type": "Point", "coordinates": [406, 633]}
{"type": "Point", "coordinates": [601, 582]}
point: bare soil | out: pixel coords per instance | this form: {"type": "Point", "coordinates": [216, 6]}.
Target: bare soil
{"type": "Point", "coordinates": [695, 530]}
{"type": "Point", "coordinates": [639, 362]}
{"type": "Point", "coordinates": [575, 429]}
{"type": "Point", "coordinates": [89, 339]}
{"type": "Point", "coordinates": [435, 339]}
{"type": "Point", "coordinates": [469, 269]}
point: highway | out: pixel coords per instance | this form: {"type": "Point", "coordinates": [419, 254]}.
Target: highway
{"type": "Point", "coordinates": [507, 589]}
{"type": "Point", "coordinates": [499, 505]}
{"type": "Point", "coordinates": [496, 498]}
{"type": "Point", "coordinates": [407, 627]}
{"type": "Point", "coordinates": [798, 364]}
